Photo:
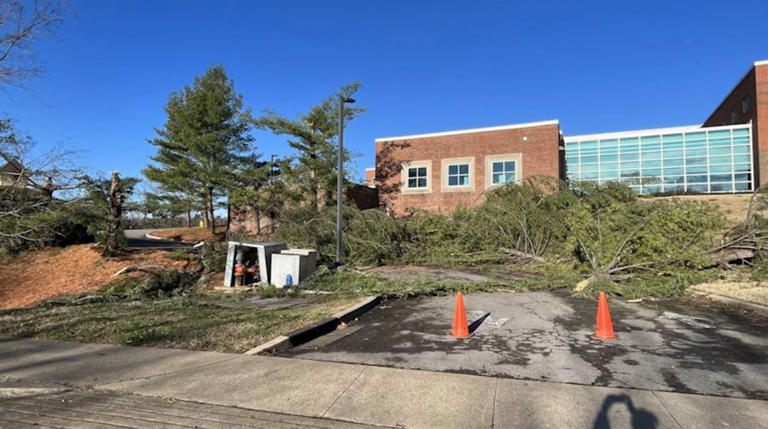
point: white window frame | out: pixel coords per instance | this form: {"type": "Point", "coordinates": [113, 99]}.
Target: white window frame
{"type": "Point", "coordinates": [404, 188]}
{"type": "Point", "coordinates": [445, 165]}
{"type": "Point", "coordinates": [517, 158]}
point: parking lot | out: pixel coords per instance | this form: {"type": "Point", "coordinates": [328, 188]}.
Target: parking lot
{"type": "Point", "coordinates": [681, 346]}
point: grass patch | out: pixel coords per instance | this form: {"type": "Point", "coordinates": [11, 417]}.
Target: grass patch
{"type": "Point", "coordinates": [194, 323]}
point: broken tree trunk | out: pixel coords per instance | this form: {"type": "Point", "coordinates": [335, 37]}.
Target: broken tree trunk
{"type": "Point", "coordinates": [115, 200]}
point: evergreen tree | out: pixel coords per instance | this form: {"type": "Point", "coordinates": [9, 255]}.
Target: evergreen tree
{"type": "Point", "coordinates": [314, 135]}
{"type": "Point", "coordinates": [266, 190]}
{"type": "Point", "coordinates": [203, 143]}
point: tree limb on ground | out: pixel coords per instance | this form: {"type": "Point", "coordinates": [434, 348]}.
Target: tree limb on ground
{"type": "Point", "coordinates": [523, 255]}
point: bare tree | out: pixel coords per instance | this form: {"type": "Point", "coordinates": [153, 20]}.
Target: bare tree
{"type": "Point", "coordinates": [37, 194]}
{"type": "Point", "coordinates": [22, 24]}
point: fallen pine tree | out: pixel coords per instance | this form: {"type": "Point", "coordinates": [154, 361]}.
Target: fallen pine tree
{"type": "Point", "coordinates": [606, 235]}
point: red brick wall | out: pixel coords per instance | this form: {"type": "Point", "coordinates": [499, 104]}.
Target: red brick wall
{"type": "Point", "coordinates": [755, 86]}
{"type": "Point", "coordinates": [760, 125]}
{"type": "Point", "coordinates": [538, 145]}
{"type": "Point", "coordinates": [364, 197]}
{"type": "Point", "coordinates": [370, 177]}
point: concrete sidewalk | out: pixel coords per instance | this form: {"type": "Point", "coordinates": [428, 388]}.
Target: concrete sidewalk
{"type": "Point", "coordinates": [363, 394]}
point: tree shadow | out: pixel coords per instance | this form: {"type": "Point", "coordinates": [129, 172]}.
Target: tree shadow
{"type": "Point", "coordinates": [388, 167]}
{"type": "Point", "coordinates": [641, 418]}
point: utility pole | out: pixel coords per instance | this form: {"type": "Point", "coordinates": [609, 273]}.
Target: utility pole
{"type": "Point", "coordinates": [340, 181]}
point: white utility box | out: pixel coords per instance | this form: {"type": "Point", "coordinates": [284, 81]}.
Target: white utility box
{"type": "Point", "coordinates": [308, 263]}
{"type": "Point", "coordinates": [299, 263]}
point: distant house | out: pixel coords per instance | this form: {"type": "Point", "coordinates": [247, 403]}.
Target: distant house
{"type": "Point", "coordinates": [12, 173]}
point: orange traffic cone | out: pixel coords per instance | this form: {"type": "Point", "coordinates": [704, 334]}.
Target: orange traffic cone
{"type": "Point", "coordinates": [604, 328]}
{"type": "Point", "coordinates": [460, 327]}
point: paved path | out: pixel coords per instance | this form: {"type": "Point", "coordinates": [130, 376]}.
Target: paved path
{"type": "Point", "coordinates": [350, 393]}
{"type": "Point", "coordinates": [136, 240]}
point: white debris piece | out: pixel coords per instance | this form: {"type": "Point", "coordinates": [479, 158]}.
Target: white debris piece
{"type": "Point", "coordinates": [490, 321]}
{"type": "Point", "coordinates": [695, 322]}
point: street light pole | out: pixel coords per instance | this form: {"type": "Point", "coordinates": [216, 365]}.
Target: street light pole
{"type": "Point", "coordinates": [340, 180]}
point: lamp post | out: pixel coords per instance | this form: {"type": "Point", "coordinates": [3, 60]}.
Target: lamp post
{"type": "Point", "coordinates": [340, 179]}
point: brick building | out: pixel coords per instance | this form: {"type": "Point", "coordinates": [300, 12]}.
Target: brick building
{"type": "Point", "coordinates": [748, 102]}
{"type": "Point", "coordinates": [441, 171]}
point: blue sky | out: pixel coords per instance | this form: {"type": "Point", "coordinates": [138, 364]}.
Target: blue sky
{"type": "Point", "coordinates": [425, 66]}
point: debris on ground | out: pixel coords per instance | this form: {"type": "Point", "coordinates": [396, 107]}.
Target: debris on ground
{"type": "Point", "coordinates": [397, 272]}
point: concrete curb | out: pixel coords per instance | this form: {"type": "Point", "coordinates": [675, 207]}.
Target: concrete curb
{"type": "Point", "coordinates": [733, 301]}
{"type": "Point", "coordinates": [309, 333]}
{"type": "Point", "coordinates": [279, 343]}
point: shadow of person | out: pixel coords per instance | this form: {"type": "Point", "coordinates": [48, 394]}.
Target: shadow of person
{"type": "Point", "coordinates": [641, 418]}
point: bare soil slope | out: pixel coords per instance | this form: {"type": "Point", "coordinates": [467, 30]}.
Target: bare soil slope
{"type": "Point", "coordinates": [36, 276]}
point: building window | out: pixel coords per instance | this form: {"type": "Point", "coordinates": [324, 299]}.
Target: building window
{"type": "Point", "coordinates": [458, 175]}
{"type": "Point", "coordinates": [503, 168]}
{"type": "Point", "coordinates": [503, 172]}
{"type": "Point", "coordinates": [734, 116]}
{"type": "Point", "coordinates": [417, 178]}
{"type": "Point", "coordinates": [745, 105]}
{"type": "Point", "coordinates": [698, 160]}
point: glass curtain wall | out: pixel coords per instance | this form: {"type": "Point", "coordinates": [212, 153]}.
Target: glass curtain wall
{"type": "Point", "coordinates": [700, 160]}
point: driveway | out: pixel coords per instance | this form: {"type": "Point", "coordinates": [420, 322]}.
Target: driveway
{"type": "Point", "coordinates": [667, 346]}
{"type": "Point", "coordinates": [137, 240]}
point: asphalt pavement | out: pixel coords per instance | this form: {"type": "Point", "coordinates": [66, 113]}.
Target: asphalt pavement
{"type": "Point", "coordinates": [661, 346]}
{"type": "Point", "coordinates": [136, 239]}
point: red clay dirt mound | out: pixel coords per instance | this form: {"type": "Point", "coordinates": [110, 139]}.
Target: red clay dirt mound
{"type": "Point", "coordinates": [39, 275]}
